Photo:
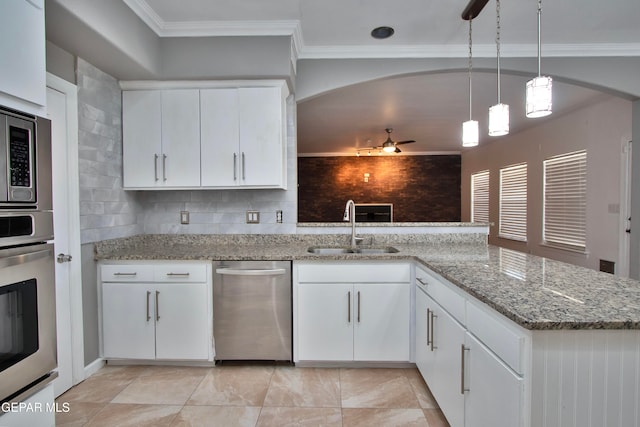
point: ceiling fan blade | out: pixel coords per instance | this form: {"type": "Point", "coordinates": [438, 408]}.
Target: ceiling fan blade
{"type": "Point", "coordinates": [405, 142]}
{"type": "Point", "coordinates": [397, 150]}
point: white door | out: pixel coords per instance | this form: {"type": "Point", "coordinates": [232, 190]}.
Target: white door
{"type": "Point", "coordinates": [219, 137]}
{"type": "Point", "coordinates": [381, 328]}
{"type": "Point", "coordinates": [325, 321]}
{"type": "Point", "coordinates": [182, 331]}
{"type": "Point", "coordinates": [261, 136]}
{"type": "Point", "coordinates": [180, 138]}
{"type": "Point", "coordinates": [62, 111]}
{"type": "Point", "coordinates": [128, 321]}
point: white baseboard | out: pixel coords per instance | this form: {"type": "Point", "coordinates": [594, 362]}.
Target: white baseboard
{"type": "Point", "coordinates": [93, 367]}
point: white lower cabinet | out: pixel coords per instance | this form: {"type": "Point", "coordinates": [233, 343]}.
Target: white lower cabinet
{"type": "Point", "coordinates": [471, 381]}
{"type": "Point", "coordinates": [157, 312]}
{"type": "Point", "coordinates": [352, 312]}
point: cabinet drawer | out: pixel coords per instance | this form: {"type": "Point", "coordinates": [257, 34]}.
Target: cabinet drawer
{"type": "Point", "coordinates": [442, 293]}
{"type": "Point", "coordinates": [354, 273]}
{"type": "Point", "coordinates": [126, 273]}
{"type": "Point", "coordinates": [496, 333]}
{"type": "Point", "coordinates": [187, 272]}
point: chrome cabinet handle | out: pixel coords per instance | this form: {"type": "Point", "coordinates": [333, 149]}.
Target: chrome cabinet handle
{"type": "Point", "coordinates": [157, 306]}
{"type": "Point", "coordinates": [235, 166]}
{"type": "Point", "coordinates": [422, 282]}
{"type": "Point", "coordinates": [358, 306]}
{"type": "Point", "coordinates": [428, 327]}
{"type": "Point", "coordinates": [462, 387]}
{"type": "Point", "coordinates": [433, 317]}
{"type": "Point", "coordinates": [243, 168]}
{"type": "Point", "coordinates": [155, 166]}
{"type": "Point", "coordinates": [125, 274]}
{"type": "Point", "coordinates": [349, 307]}
{"type": "Point", "coordinates": [178, 274]}
{"type": "Point", "coordinates": [164, 167]}
{"type": "Point", "coordinates": [148, 316]}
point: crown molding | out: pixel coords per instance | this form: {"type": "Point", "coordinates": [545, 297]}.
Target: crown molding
{"type": "Point", "coordinates": [404, 154]}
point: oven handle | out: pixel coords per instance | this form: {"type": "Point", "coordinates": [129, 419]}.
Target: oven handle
{"type": "Point", "coordinates": [25, 258]}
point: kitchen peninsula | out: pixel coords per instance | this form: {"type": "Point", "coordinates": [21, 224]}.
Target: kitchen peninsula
{"type": "Point", "coordinates": [570, 336]}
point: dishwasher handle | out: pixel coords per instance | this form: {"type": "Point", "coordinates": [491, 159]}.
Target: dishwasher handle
{"type": "Point", "coordinates": [251, 272]}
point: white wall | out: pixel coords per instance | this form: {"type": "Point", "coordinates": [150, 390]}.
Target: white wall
{"type": "Point", "coordinates": [600, 129]}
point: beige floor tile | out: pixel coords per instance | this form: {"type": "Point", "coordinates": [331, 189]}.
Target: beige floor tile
{"type": "Point", "coordinates": [79, 413]}
{"type": "Point", "coordinates": [233, 386]}
{"type": "Point", "coordinates": [126, 415]}
{"type": "Point", "coordinates": [435, 418]}
{"type": "Point", "coordinates": [309, 387]}
{"type": "Point", "coordinates": [362, 417]}
{"type": "Point", "coordinates": [425, 398]}
{"type": "Point", "coordinates": [227, 416]}
{"type": "Point", "coordinates": [299, 417]}
{"type": "Point", "coordinates": [96, 390]}
{"type": "Point", "coordinates": [376, 388]}
{"type": "Point", "coordinates": [170, 386]}
{"type": "Point", "coordinates": [118, 372]}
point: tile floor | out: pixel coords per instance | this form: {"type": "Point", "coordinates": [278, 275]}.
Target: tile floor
{"type": "Point", "coordinates": [250, 396]}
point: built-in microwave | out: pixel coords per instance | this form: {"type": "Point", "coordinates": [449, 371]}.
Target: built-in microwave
{"type": "Point", "coordinates": [25, 152]}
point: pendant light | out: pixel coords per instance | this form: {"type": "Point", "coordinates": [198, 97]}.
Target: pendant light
{"type": "Point", "coordinates": [539, 94]}
{"type": "Point", "coordinates": [499, 113]}
{"type": "Point", "coordinates": [470, 127]}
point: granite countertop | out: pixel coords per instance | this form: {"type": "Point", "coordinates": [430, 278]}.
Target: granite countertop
{"type": "Point", "coordinates": [534, 292]}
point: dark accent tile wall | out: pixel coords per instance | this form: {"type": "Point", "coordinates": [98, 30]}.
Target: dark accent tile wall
{"type": "Point", "coordinates": [421, 188]}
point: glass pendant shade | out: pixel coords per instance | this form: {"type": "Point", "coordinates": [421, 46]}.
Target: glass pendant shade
{"type": "Point", "coordinates": [499, 120]}
{"type": "Point", "coordinates": [539, 98]}
{"type": "Point", "coordinates": [470, 133]}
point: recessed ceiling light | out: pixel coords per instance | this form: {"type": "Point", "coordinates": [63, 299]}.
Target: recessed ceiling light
{"type": "Point", "coordinates": [382, 32]}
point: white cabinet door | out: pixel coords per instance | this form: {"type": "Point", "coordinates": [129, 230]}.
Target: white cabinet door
{"type": "Point", "coordinates": [142, 137]}
{"type": "Point", "coordinates": [325, 321]}
{"type": "Point", "coordinates": [445, 383]}
{"type": "Point", "coordinates": [22, 49]}
{"type": "Point", "coordinates": [128, 327]}
{"type": "Point", "coordinates": [219, 137]}
{"type": "Point", "coordinates": [382, 322]}
{"type": "Point", "coordinates": [180, 162]}
{"type": "Point", "coordinates": [262, 147]}
{"type": "Point", "coordinates": [423, 353]}
{"type": "Point", "coordinates": [495, 396]}
{"type": "Point", "coordinates": [182, 325]}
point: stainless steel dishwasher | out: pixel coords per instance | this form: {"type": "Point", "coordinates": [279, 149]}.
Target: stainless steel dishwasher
{"type": "Point", "coordinates": [252, 313]}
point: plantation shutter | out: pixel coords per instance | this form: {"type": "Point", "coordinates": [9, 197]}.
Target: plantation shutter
{"type": "Point", "coordinates": [565, 201]}
{"type": "Point", "coordinates": [480, 197]}
{"type": "Point", "coordinates": [513, 202]}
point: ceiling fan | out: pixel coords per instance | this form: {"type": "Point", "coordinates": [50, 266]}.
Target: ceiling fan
{"type": "Point", "coordinates": [390, 146]}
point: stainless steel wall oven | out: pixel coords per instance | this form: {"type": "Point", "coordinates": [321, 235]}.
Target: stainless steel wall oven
{"type": "Point", "coordinates": [27, 272]}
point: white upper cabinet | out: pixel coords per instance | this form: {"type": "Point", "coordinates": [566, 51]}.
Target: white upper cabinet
{"type": "Point", "coordinates": [23, 73]}
{"type": "Point", "coordinates": [161, 130]}
{"type": "Point", "coordinates": [212, 135]}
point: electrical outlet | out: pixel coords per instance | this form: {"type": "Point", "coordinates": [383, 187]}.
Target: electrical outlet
{"type": "Point", "coordinates": [253, 217]}
{"type": "Point", "coordinates": [184, 217]}
{"type": "Point", "coordinates": [279, 217]}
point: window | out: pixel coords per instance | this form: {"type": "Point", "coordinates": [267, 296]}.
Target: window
{"type": "Point", "coordinates": [565, 201]}
{"type": "Point", "coordinates": [513, 202]}
{"type": "Point", "coordinates": [480, 197]}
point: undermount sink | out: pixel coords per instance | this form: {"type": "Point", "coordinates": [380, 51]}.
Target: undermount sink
{"type": "Point", "coordinates": [341, 250]}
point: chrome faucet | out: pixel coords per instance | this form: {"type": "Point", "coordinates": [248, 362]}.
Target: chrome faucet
{"type": "Point", "coordinates": [350, 215]}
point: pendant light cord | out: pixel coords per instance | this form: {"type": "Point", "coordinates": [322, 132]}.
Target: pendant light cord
{"type": "Point", "coordinates": [470, 67]}
{"type": "Point", "coordinates": [539, 41]}
{"type": "Point", "coordinates": [498, 44]}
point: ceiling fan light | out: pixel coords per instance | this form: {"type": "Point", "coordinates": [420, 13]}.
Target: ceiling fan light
{"type": "Point", "coordinates": [499, 120]}
{"type": "Point", "coordinates": [539, 97]}
{"type": "Point", "coordinates": [388, 147]}
{"type": "Point", "coordinates": [470, 133]}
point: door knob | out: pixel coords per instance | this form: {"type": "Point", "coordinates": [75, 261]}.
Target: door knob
{"type": "Point", "coordinates": [64, 258]}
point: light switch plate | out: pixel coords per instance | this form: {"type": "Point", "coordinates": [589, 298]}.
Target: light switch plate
{"type": "Point", "coordinates": [253, 217]}
{"type": "Point", "coordinates": [184, 217]}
